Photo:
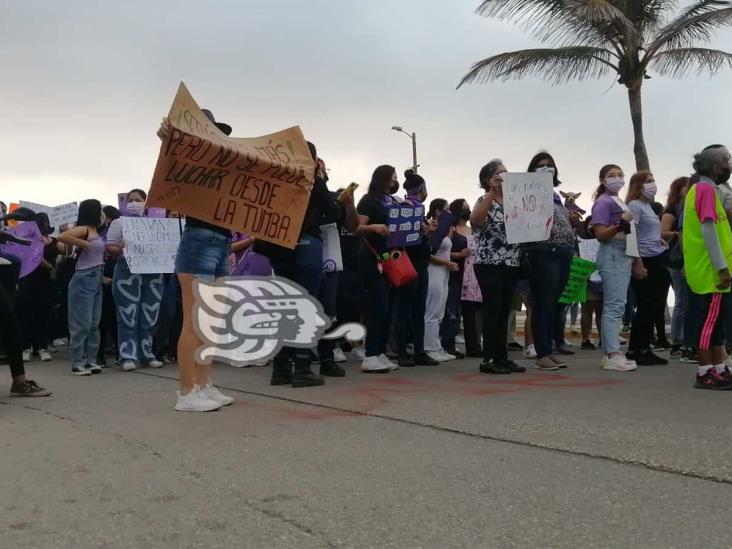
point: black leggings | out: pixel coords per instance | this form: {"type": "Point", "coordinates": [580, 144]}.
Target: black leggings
{"type": "Point", "coordinates": [9, 333]}
{"type": "Point", "coordinates": [36, 294]}
{"type": "Point", "coordinates": [497, 284]}
{"type": "Point", "coordinates": [650, 302]}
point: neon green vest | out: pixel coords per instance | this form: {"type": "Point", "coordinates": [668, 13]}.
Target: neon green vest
{"type": "Point", "coordinates": [701, 275]}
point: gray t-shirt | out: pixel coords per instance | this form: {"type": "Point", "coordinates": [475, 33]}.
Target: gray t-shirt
{"type": "Point", "coordinates": [648, 227]}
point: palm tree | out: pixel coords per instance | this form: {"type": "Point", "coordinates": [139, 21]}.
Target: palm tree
{"type": "Point", "coordinates": [593, 38]}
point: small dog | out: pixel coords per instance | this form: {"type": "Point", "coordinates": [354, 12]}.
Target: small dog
{"type": "Point", "coordinates": [570, 202]}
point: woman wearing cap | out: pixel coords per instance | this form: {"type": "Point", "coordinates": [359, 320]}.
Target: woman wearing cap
{"type": "Point", "coordinates": [203, 253]}
{"type": "Point", "coordinates": [36, 297]}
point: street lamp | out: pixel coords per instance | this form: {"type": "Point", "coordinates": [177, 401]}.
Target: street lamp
{"type": "Point", "coordinates": [413, 137]}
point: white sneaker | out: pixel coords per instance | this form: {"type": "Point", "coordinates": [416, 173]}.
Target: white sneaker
{"type": "Point", "coordinates": [460, 340]}
{"type": "Point", "coordinates": [81, 371]}
{"type": "Point", "coordinates": [530, 351]}
{"type": "Point", "coordinates": [155, 364]}
{"type": "Point", "coordinates": [27, 355]}
{"type": "Point", "coordinates": [128, 366]}
{"type": "Point", "coordinates": [339, 355]}
{"type": "Point", "coordinates": [45, 355]}
{"type": "Point", "coordinates": [94, 368]}
{"type": "Point", "coordinates": [619, 363]}
{"type": "Point", "coordinates": [385, 359]}
{"type": "Point", "coordinates": [358, 354]}
{"type": "Point", "coordinates": [440, 356]}
{"type": "Point", "coordinates": [622, 340]}
{"type": "Point", "coordinates": [374, 365]}
{"type": "Point", "coordinates": [217, 396]}
{"type": "Point", "coordinates": [196, 401]}
{"type": "Point", "coordinates": [60, 342]}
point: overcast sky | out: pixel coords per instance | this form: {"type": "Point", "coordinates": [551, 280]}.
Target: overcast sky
{"type": "Point", "coordinates": [84, 84]}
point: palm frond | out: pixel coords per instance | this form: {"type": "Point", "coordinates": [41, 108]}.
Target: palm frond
{"type": "Point", "coordinates": [583, 22]}
{"type": "Point", "coordinates": [554, 65]}
{"type": "Point", "coordinates": [696, 24]}
{"type": "Point", "coordinates": [680, 62]}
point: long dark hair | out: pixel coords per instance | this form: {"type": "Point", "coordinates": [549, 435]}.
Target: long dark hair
{"type": "Point", "coordinates": [90, 213]}
{"type": "Point", "coordinates": [437, 205]}
{"type": "Point", "coordinates": [381, 181]}
{"type": "Point", "coordinates": [540, 157]}
{"type": "Point", "coordinates": [603, 172]}
{"type": "Point", "coordinates": [142, 193]}
{"type": "Point", "coordinates": [674, 192]}
{"type": "Point", "coordinates": [456, 208]}
{"type": "Point", "coordinates": [111, 213]}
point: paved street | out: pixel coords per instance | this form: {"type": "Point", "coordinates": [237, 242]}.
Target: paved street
{"type": "Point", "coordinates": [425, 457]}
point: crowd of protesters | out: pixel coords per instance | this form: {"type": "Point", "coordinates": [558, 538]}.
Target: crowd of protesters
{"type": "Point", "coordinates": [469, 282]}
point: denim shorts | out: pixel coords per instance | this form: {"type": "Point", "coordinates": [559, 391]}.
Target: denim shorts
{"type": "Point", "coordinates": [204, 253]}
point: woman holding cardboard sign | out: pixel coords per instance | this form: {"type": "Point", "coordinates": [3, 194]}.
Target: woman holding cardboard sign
{"type": "Point", "coordinates": [203, 253]}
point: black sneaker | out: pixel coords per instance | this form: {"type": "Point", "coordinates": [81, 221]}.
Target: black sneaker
{"type": "Point", "coordinates": [28, 388]}
{"type": "Point", "coordinates": [587, 345]}
{"type": "Point", "coordinates": [515, 347]}
{"type": "Point", "coordinates": [661, 343]}
{"type": "Point", "coordinates": [713, 380]}
{"type": "Point", "coordinates": [491, 367]}
{"type": "Point", "coordinates": [329, 368]}
{"type": "Point", "coordinates": [423, 359]}
{"type": "Point", "coordinates": [647, 358]}
{"type": "Point", "coordinates": [676, 350]}
{"type": "Point", "coordinates": [281, 371]}
{"type": "Point", "coordinates": [513, 367]}
{"type": "Point", "coordinates": [406, 361]}
{"type": "Point", "coordinates": [454, 352]}
{"type": "Point", "coordinates": [304, 376]}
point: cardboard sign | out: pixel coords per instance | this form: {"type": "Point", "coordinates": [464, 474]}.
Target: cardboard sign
{"type": "Point", "coordinates": [405, 224]}
{"type": "Point", "coordinates": [528, 202]}
{"type": "Point", "coordinates": [259, 185]}
{"type": "Point", "coordinates": [576, 289]}
{"type": "Point", "coordinates": [150, 244]}
{"type": "Point", "coordinates": [332, 257]}
{"type": "Point", "coordinates": [30, 256]}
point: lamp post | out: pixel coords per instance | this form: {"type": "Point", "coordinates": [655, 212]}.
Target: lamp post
{"type": "Point", "coordinates": [413, 137]}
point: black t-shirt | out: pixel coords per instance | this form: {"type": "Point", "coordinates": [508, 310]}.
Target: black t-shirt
{"type": "Point", "coordinates": [378, 214]}
{"type": "Point", "coordinates": [193, 222]}
{"type": "Point", "coordinates": [420, 253]}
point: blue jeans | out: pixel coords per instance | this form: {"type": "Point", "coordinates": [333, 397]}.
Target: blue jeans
{"type": "Point", "coordinates": [681, 305]}
{"type": "Point", "coordinates": [138, 298]}
{"type": "Point", "coordinates": [85, 312]}
{"type": "Point", "coordinates": [547, 279]}
{"type": "Point", "coordinates": [614, 267]}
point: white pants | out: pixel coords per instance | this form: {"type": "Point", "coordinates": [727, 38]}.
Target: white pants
{"type": "Point", "coordinates": [435, 306]}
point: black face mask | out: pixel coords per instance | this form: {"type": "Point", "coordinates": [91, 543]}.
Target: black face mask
{"type": "Point", "coordinates": [394, 187]}
{"type": "Point", "coordinates": [465, 214]}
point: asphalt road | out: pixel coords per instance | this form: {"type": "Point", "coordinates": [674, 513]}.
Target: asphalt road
{"type": "Point", "coordinates": [424, 457]}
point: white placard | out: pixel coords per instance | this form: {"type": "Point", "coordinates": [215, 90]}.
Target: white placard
{"type": "Point", "coordinates": [332, 257]}
{"type": "Point", "coordinates": [528, 204]}
{"type": "Point", "coordinates": [58, 216]}
{"type": "Point", "coordinates": [588, 250]}
{"type": "Point", "coordinates": [150, 244]}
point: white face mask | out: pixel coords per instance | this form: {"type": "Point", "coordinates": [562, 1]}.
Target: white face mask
{"type": "Point", "coordinates": [135, 208]}
{"type": "Point", "coordinates": [649, 190]}
{"type": "Point", "coordinates": [545, 169]}
{"type": "Point", "coordinates": [614, 184]}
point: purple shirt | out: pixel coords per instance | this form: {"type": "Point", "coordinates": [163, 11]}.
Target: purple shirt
{"type": "Point", "coordinates": [94, 257]}
{"type": "Point", "coordinates": [605, 211]}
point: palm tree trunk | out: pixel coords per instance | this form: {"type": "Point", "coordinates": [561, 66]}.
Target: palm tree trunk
{"type": "Point", "coordinates": [636, 115]}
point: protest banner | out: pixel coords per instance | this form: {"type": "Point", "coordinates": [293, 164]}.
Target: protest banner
{"type": "Point", "coordinates": [332, 257]}
{"type": "Point", "coordinates": [58, 216]}
{"type": "Point", "coordinates": [528, 204]}
{"type": "Point", "coordinates": [405, 224]}
{"type": "Point", "coordinates": [150, 244]}
{"type": "Point", "coordinates": [576, 289]}
{"type": "Point", "coordinates": [30, 256]}
{"type": "Point", "coordinates": [260, 186]}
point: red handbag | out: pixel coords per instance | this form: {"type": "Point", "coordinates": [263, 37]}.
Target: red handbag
{"type": "Point", "coordinates": [396, 265]}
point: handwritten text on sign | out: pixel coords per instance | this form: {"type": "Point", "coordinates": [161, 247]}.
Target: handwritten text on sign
{"type": "Point", "coordinates": [405, 222]}
{"type": "Point", "coordinates": [150, 244]}
{"type": "Point", "coordinates": [259, 186]}
{"type": "Point", "coordinates": [58, 216]}
{"type": "Point", "coordinates": [528, 200]}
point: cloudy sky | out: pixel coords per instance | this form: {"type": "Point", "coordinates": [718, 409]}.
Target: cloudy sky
{"type": "Point", "coordinates": [85, 83]}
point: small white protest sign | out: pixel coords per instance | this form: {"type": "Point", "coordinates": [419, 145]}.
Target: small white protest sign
{"type": "Point", "coordinates": [150, 244]}
{"type": "Point", "coordinates": [528, 203]}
